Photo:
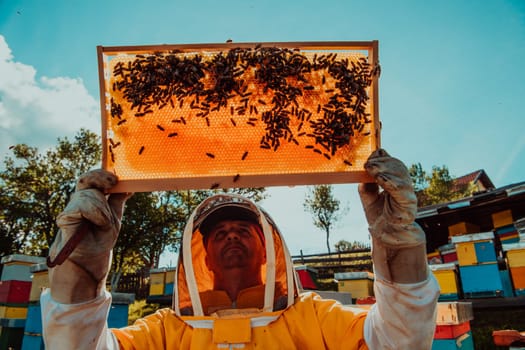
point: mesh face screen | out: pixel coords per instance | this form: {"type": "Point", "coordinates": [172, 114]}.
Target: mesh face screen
{"type": "Point", "coordinates": [230, 115]}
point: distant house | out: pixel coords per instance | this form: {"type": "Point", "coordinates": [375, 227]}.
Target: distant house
{"type": "Point", "coordinates": [478, 178]}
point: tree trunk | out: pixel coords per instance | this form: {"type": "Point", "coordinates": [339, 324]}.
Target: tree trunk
{"type": "Point", "coordinates": [328, 240]}
{"type": "Point", "coordinates": [115, 278]}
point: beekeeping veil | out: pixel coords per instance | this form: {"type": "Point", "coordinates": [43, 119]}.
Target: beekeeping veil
{"type": "Point", "coordinates": [193, 276]}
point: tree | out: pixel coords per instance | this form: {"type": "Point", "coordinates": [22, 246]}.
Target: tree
{"type": "Point", "coordinates": [321, 203]}
{"type": "Point", "coordinates": [345, 246]}
{"type": "Point", "coordinates": [35, 188]}
{"type": "Point", "coordinates": [439, 187]}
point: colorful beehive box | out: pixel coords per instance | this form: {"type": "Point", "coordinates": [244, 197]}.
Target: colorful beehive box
{"type": "Point", "coordinates": [359, 284]}
{"type": "Point", "coordinates": [518, 279]}
{"type": "Point", "coordinates": [307, 276]}
{"type": "Point", "coordinates": [33, 329]}
{"type": "Point", "coordinates": [507, 234]}
{"type": "Point", "coordinates": [157, 282]}
{"type": "Point", "coordinates": [34, 319]}
{"type": "Point", "coordinates": [515, 255]}
{"type": "Point", "coordinates": [40, 281]}
{"type": "Point", "coordinates": [463, 342]}
{"type": "Point", "coordinates": [453, 313]}
{"type": "Point", "coordinates": [502, 218]}
{"type": "Point", "coordinates": [13, 311]}
{"type": "Point", "coordinates": [447, 277]}
{"type": "Point", "coordinates": [448, 253]}
{"type": "Point", "coordinates": [506, 281]}
{"type": "Point", "coordinates": [32, 342]}
{"type": "Point", "coordinates": [119, 311]}
{"type": "Point", "coordinates": [474, 249]}
{"type": "Point", "coordinates": [344, 298]}
{"type": "Point", "coordinates": [17, 267]}
{"type": "Point", "coordinates": [169, 281]}
{"type": "Point", "coordinates": [11, 333]}
{"type": "Point", "coordinates": [481, 280]}
{"type": "Point", "coordinates": [462, 228]}
{"type": "Point", "coordinates": [451, 331]}
{"type": "Point", "coordinates": [434, 257]}
{"type": "Point", "coordinates": [14, 292]}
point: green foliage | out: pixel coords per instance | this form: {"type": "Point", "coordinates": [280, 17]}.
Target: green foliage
{"type": "Point", "coordinates": [35, 188]}
{"type": "Point", "coordinates": [139, 309]}
{"type": "Point", "coordinates": [438, 187]}
{"type": "Point", "coordinates": [345, 246]}
{"type": "Point", "coordinates": [324, 207]}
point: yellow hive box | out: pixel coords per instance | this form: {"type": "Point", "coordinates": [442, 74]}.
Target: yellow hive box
{"type": "Point", "coordinates": [515, 253]}
{"type": "Point", "coordinates": [359, 284]}
{"type": "Point", "coordinates": [206, 116]}
{"type": "Point", "coordinates": [446, 275]}
{"type": "Point", "coordinates": [462, 228]}
{"type": "Point", "coordinates": [13, 311]}
{"type": "Point", "coordinates": [157, 281]}
{"type": "Point", "coordinates": [156, 289]}
{"type": "Point", "coordinates": [475, 248]}
{"type": "Point", "coordinates": [170, 276]}
{"type": "Point", "coordinates": [502, 218]}
{"type": "Point", "coordinates": [466, 253]}
{"type": "Point", "coordinates": [39, 281]}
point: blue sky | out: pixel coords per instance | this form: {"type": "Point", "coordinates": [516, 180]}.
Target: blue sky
{"type": "Point", "coordinates": [452, 87]}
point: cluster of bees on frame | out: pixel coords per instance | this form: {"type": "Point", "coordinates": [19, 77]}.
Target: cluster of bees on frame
{"type": "Point", "coordinates": [224, 82]}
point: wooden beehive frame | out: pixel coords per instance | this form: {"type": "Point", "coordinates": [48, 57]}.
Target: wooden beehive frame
{"type": "Point", "coordinates": [198, 171]}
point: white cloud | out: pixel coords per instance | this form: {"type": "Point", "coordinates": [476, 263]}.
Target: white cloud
{"type": "Point", "coordinates": [38, 111]}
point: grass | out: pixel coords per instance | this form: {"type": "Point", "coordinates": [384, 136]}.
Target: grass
{"type": "Point", "coordinates": [487, 320]}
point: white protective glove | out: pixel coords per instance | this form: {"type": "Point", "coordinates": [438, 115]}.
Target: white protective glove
{"type": "Point", "coordinates": [82, 275]}
{"type": "Point", "coordinates": [398, 242]}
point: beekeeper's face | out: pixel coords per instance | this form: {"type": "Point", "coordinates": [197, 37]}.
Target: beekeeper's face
{"type": "Point", "coordinates": [235, 244]}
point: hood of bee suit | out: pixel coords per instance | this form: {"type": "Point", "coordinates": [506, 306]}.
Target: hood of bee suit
{"type": "Point", "coordinates": [193, 276]}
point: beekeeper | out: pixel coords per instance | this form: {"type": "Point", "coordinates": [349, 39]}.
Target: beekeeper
{"type": "Point", "coordinates": [235, 283]}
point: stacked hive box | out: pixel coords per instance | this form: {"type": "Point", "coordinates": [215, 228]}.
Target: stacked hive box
{"type": "Point", "coordinates": [515, 256]}
{"type": "Point", "coordinates": [478, 267]}
{"type": "Point", "coordinates": [462, 228]}
{"type": "Point", "coordinates": [157, 280]}
{"type": "Point", "coordinates": [504, 228]}
{"type": "Point", "coordinates": [161, 284]}
{"type": "Point", "coordinates": [447, 277]}
{"type": "Point", "coordinates": [119, 311]}
{"type": "Point", "coordinates": [453, 326]}
{"type": "Point", "coordinates": [360, 284]}
{"type": "Point", "coordinates": [448, 253]}
{"type": "Point", "coordinates": [507, 234]}
{"type": "Point", "coordinates": [307, 276]}
{"type": "Point", "coordinates": [520, 227]}
{"type": "Point", "coordinates": [33, 327]}
{"type": "Point", "coordinates": [170, 281]}
{"type": "Point", "coordinates": [15, 287]}
{"type": "Point", "coordinates": [434, 257]}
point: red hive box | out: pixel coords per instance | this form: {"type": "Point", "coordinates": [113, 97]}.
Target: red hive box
{"type": "Point", "coordinates": [14, 292]}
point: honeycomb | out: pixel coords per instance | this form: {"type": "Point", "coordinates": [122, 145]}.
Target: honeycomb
{"type": "Point", "coordinates": [238, 115]}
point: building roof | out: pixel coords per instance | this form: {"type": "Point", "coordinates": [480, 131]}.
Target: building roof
{"type": "Point", "coordinates": [478, 176]}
